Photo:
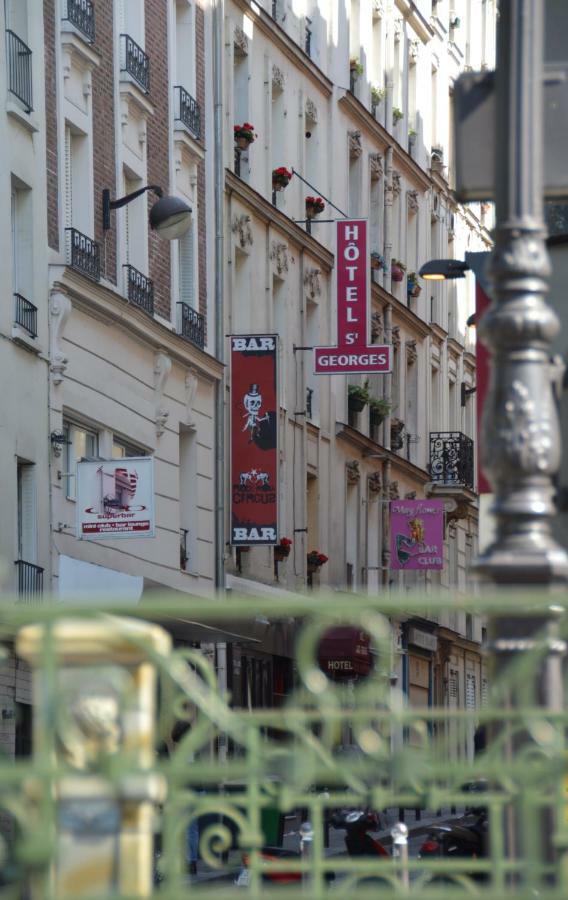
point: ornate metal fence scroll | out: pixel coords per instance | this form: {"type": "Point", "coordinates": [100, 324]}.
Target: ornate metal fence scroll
{"type": "Point", "coordinates": [134, 741]}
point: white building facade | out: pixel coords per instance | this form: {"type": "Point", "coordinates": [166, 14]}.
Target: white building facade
{"type": "Point", "coordinates": [355, 100]}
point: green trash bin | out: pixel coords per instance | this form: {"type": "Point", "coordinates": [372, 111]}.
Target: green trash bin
{"type": "Point", "coordinates": [272, 825]}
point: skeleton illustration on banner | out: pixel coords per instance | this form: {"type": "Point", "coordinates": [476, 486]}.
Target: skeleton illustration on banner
{"type": "Point", "coordinates": [252, 402]}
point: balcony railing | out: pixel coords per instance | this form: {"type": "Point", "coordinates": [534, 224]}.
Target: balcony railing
{"type": "Point", "coordinates": [84, 254]}
{"type": "Point", "coordinates": [135, 62]}
{"type": "Point", "coordinates": [19, 69]}
{"type": "Point", "coordinates": [308, 37]}
{"type": "Point", "coordinates": [187, 111]}
{"type": "Point", "coordinates": [30, 580]}
{"type": "Point", "coordinates": [140, 289]}
{"type": "Point", "coordinates": [26, 315]}
{"type": "Point", "coordinates": [192, 325]}
{"type": "Point", "coordinates": [237, 162]}
{"type": "Point", "coordinates": [81, 14]}
{"type": "Point", "coordinates": [309, 402]}
{"type": "Point", "coordinates": [451, 459]}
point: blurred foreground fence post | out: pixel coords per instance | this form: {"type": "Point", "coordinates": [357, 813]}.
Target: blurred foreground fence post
{"type": "Point", "coordinates": [94, 692]}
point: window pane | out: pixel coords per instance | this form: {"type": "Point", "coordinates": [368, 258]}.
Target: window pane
{"type": "Point", "coordinates": [82, 443]}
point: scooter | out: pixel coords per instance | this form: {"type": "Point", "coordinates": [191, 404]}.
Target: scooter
{"type": "Point", "coordinates": [357, 825]}
{"type": "Point", "coordinates": [273, 854]}
{"type": "Point", "coordinates": [464, 839]}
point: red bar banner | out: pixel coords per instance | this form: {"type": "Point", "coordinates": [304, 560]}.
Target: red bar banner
{"type": "Point", "coordinates": [352, 353]}
{"type": "Point", "coordinates": [254, 440]}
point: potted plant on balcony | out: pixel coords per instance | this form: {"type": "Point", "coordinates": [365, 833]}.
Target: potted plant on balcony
{"type": "Point", "coordinates": [397, 115]}
{"type": "Point", "coordinates": [377, 96]}
{"type": "Point", "coordinates": [358, 396]}
{"type": "Point", "coordinates": [378, 261]}
{"type": "Point", "coordinates": [412, 287]}
{"type": "Point", "coordinates": [315, 561]}
{"type": "Point", "coordinates": [355, 67]}
{"type": "Point", "coordinates": [397, 270]}
{"type": "Point", "coordinates": [281, 178]}
{"type": "Point", "coordinates": [411, 138]}
{"type": "Point", "coordinates": [244, 135]}
{"type": "Point", "coordinates": [314, 207]}
{"type": "Point", "coordinates": [282, 550]}
{"type": "Point", "coordinates": [379, 408]}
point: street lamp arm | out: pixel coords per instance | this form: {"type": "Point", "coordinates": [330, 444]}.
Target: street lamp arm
{"type": "Point", "coordinates": [109, 204]}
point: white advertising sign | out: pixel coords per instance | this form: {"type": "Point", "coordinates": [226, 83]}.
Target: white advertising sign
{"type": "Point", "coordinates": [115, 498]}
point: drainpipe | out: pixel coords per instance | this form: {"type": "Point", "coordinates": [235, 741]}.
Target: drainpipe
{"type": "Point", "coordinates": [218, 27]}
{"type": "Point", "coordinates": [389, 59]}
{"type": "Point", "coordinates": [385, 496]}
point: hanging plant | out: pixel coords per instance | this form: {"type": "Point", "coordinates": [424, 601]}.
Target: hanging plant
{"type": "Point", "coordinates": [314, 207]}
{"type": "Point", "coordinates": [397, 115]}
{"type": "Point", "coordinates": [281, 178]}
{"type": "Point", "coordinates": [244, 135]}
{"type": "Point", "coordinates": [378, 410]}
{"type": "Point", "coordinates": [358, 396]}
{"type": "Point", "coordinates": [377, 95]}
{"type": "Point", "coordinates": [315, 561]}
{"type": "Point", "coordinates": [282, 550]}
{"type": "Point", "coordinates": [397, 270]}
{"type": "Point", "coordinates": [378, 261]}
{"type": "Point", "coordinates": [412, 287]}
{"type": "Point", "coordinates": [355, 67]}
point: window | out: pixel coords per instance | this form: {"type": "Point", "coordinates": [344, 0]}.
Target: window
{"type": "Point", "coordinates": [16, 14]}
{"type": "Point", "coordinates": [131, 19]}
{"type": "Point", "coordinates": [121, 449]}
{"type": "Point", "coordinates": [81, 444]}
{"type": "Point", "coordinates": [21, 235]}
{"type": "Point", "coordinates": [185, 46]}
{"type": "Point", "coordinates": [188, 500]}
{"type": "Point", "coordinates": [78, 200]}
{"type": "Point", "coordinates": [27, 516]}
{"type": "Point", "coordinates": [135, 225]}
{"type": "Point", "coordinates": [187, 268]}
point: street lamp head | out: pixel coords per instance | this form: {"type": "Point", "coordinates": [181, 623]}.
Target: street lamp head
{"type": "Point", "coordinates": [443, 269]}
{"type": "Point", "coordinates": [170, 217]}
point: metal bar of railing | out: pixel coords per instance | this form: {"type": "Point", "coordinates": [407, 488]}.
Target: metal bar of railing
{"type": "Point", "coordinates": [192, 325]}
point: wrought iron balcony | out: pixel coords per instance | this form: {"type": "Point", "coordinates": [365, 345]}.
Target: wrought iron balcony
{"type": "Point", "coordinates": [451, 459]}
{"type": "Point", "coordinates": [192, 325]}
{"type": "Point", "coordinates": [187, 111]}
{"type": "Point", "coordinates": [84, 254]}
{"type": "Point", "coordinates": [237, 162]}
{"type": "Point", "coordinates": [26, 315]}
{"type": "Point", "coordinates": [308, 36]}
{"type": "Point", "coordinates": [135, 62]}
{"type": "Point", "coordinates": [30, 580]}
{"type": "Point", "coordinates": [19, 69]}
{"type": "Point", "coordinates": [81, 14]}
{"type": "Point", "coordinates": [140, 289]}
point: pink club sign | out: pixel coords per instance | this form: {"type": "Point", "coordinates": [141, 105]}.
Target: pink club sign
{"type": "Point", "coordinates": [417, 534]}
{"type": "Point", "coordinates": [352, 353]}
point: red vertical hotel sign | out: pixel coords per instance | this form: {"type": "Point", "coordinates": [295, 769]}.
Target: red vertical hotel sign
{"type": "Point", "coordinates": [254, 445]}
{"type": "Point", "coordinates": [352, 353]}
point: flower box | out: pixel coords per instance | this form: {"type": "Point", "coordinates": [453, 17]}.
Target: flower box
{"type": "Point", "coordinates": [244, 135]}
{"type": "Point", "coordinates": [281, 178]}
{"type": "Point", "coordinates": [314, 207]}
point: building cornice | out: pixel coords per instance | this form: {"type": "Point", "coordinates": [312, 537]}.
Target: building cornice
{"type": "Point", "coordinates": [415, 18]}
{"type": "Point", "coordinates": [109, 307]}
{"type": "Point", "coordinates": [402, 161]}
{"type": "Point", "coordinates": [438, 331]}
{"type": "Point", "coordinates": [264, 210]}
{"type": "Point", "coordinates": [455, 347]}
{"type": "Point", "coordinates": [278, 37]}
{"type": "Point", "coordinates": [403, 313]}
{"type": "Point", "coordinates": [377, 453]}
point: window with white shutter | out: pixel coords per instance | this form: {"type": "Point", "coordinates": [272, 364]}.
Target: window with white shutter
{"type": "Point", "coordinates": [186, 256]}
{"type": "Point", "coordinates": [470, 690]}
{"type": "Point", "coordinates": [27, 514]}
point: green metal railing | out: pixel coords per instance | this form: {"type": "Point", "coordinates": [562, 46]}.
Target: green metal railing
{"type": "Point", "coordinates": [83, 816]}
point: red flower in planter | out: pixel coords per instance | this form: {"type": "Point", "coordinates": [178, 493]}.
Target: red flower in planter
{"type": "Point", "coordinates": [315, 205]}
{"type": "Point", "coordinates": [285, 542]}
{"type": "Point", "coordinates": [315, 558]}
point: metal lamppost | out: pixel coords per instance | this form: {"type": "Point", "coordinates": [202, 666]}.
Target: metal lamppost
{"type": "Point", "coordinates": [521, 447]}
